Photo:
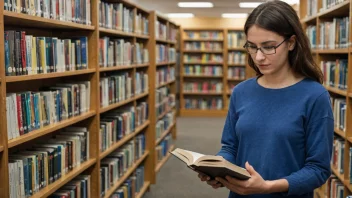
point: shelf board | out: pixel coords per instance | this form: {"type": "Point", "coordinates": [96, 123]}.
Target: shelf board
{"type": "Point", "coordinates": [164, 113]}
{"type": "Point", "coordinates": [309, 19]}
{"type": "Point", "coordinates": [348, 185]}
{"type": "Point", "coordinates": [236, 79]}
{"type": "Point", "coordinates": [200, 76]}
{"type": "Point", "coordinates": [229, 92]}
{"type": "Point", "coordinates": [202, 94]}
{"type": "Point", "coordinates": [136, 97]}
{"type": "Point", "coordinates": [25, 20]}
{"type": "Point", "coordinates": [203, 51]}
{"type": "Point", "coordinates": [336, 90]}
{"type": "Point", "coordinates": [164, 84]}
{"type": "Point", "coordinates": [164, 160]}
{"type": "Point", "coordinates": [143, 189]}
{"type": "Point", "coordinates": [165, 63]}
{"type": "Point", "coordinates": [172, 63]}
{"type": "Point", "coordinates": [215, 40]}
{"type": "Point", "coordinates": [126, 175]}
{"type": "Point", "coordinates": [48, 75]}
{"type": "Point", "coordinates": [333, 51]}
{"type": "Point", "coordinates": [49, 129]}
{"type": "Point", "coordinates": [339, 132]}
{"type": "Point", "coordinates": [1, 149]}
{"type": "Point", "coordinates": [115, 68]}
{"type": "Point", "coordinates": [115, 105]}
{"type": "Point", "coordinates": [235, 65]}
{"type": "Point", "coordinates": [51, 188]}
{"type": "Point", "coordinates": [165, 41]}
{"type": "Point", "coordinates": [236, 49]}
{"type": "Point", "coordinates": [336, 11]}
{"type": "Point", "coordinates": [350, 140]}
{"type": "Point", "coordinates": [116, 32]}
{"type": "Point", "coordinates": [142, 65]}
{"type": "Point", "coordinates": [202, 113]}
{"type": "Point", "coordinates": [340, 176]}
{"type": "Point", "coordinates": [164, 134]}
{"type": "Point", "coordinates": [124, 140]}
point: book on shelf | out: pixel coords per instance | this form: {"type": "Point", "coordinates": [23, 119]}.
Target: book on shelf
{"type": "Point", "coordinates": [213, 166]}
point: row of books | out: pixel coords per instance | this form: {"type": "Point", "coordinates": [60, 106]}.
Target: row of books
{"type": "Point", "coordinates": [163, 124]}
{"type": "Point", "coordinates": [29, 111]}
{"type": "Point", "coordinates": [339, 107]}
{"type": "Point", "coordinates": [26, 54]}
{"type": "Point", "coordinates": [202, 70]}
{"type": "Point", "coordinates": [116, 16]}
{"type": "Point", "coordinates": [116, 52]}
{"type": "Point", "coordinates": [164, 75]}
{"type": "Point", "coordinates": [141, 82]}
{"type": "Point", "coordinates": [115, 88]}
{"type": "Point", "coordinates": [203, 87]}
{"type": "Point", "coordinates": [77, 11]}
{"type": "Point", "coordinates": [163, 148]}
{"type": "Point", "coordinates": [312, 7]}
{"type": "Point", "coordinates": [204, 35]}
{"type": "Point", "coordinates": [164, 32]}
{"type": "Point", "coordinates": [337, 160]}
{"type": "Point", "coordinates": [237, 58]}
{"type": "Point", "coordinates": [165, 100]}
{"type": "Point", "coordinates": [163, 53]}
{"type": "Point", "coordinates": [335, 73]}
{"type": "Point", "coordinates": [34, 168]}
{"type": "Point", "coordinates": [231, 85]}
{"type": "Point", "coordinates": [335, 33]}
{"type": "Point", "coordinates": [116, 164]}
{"type": "Point", "coordinates": [335, 187]}
{"type": "Point", "coordinates": [79, 187]}
{"type": "Point", "coordinates": [204, 45]}
{"type": "Point", "coordinates": [311, 32]}
{"type": "Point", "coordinates": [237, 73]}
{"type": "Point", "coordinates": [116, 124]}
{"type": "Point", "coordinates": [236, 39]}
{"type": "Point", "coordinates": [326, 4]}
{"type": "Point", "coordinates": [204, 103]}
{"type": "Point", "coordinates": [132, 185]}
{"type": "Point", "coordinates": [204, 58]}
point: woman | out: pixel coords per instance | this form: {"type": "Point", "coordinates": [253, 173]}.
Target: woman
{"type": "Point", "coordinates": [280, 124]}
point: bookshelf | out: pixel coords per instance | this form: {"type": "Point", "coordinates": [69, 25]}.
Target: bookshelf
{"type": "Point", "coordinates": [328, 29]}
{"type": "Point", "coordinates": [213, 61]}
{"type": "Point", "coordinates": [110, 54]}
{"type": "Point", "coordinates": [163, 37]}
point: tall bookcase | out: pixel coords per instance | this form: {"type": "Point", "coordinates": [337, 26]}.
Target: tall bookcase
{"type": "Point", "coordinates": [327, 25]}
{"type": "Point", "coordinates": [213, 61]}
{"type": "Point", "coordinates": [134, 43]}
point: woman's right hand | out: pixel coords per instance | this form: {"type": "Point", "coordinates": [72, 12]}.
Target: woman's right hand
{"type": "Point", "coordinates": [203, 177]}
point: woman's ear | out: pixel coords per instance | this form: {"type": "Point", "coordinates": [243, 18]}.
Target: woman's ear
{"type": "Point", "coordinates": [292, 43]}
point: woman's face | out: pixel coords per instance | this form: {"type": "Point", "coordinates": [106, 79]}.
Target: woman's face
{"type": "Point", "coordinates": [275, 59]}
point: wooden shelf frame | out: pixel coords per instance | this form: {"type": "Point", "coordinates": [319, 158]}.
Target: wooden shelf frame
{"type": "Point", "coordinates": [164, 160]}
{"type": "Point", "coordinates": [90, 119]}
{"type": "Point", "coordinates": [339, 10]}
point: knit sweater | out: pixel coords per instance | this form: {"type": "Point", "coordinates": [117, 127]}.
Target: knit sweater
{"type": "Point", "coordinates": [284, 133]}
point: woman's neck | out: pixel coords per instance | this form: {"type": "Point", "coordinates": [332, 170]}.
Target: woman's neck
{"type": "Point", "coordinates": [280, 79]}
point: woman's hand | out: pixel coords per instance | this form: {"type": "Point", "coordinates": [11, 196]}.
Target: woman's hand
{"type": "Point", "coordinates": [254, 185]}
{"type": "Point", "coordinates": [215, 184]}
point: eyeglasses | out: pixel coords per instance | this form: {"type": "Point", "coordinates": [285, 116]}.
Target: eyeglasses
{"type": "Point", "coordinates": [265, 50]}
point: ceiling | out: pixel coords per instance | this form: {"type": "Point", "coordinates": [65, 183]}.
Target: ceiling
{"type": "Point", "coordinates": [220, 6]}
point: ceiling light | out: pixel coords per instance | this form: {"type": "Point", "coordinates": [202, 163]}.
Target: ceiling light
{"type": "Point", "coordinates": [234, 15]}
{"type": "Point", "coordinates": [195, 4]}
{"type": "Point", "coordinates": [180, 15]}
{"type": "Point", "coordinates": [249, 4]}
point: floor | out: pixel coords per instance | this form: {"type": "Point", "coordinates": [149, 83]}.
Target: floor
{"type": "Point", "coordinates": [175, 180]}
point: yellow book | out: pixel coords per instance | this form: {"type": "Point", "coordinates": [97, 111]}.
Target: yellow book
{"type": "Point", "coordinates": [34, 56]}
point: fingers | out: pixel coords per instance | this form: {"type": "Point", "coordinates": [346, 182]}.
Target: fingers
{"type": "Point", "coordinates": [203, 177]}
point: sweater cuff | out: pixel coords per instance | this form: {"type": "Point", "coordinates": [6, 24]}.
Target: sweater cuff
{"type": "Point", "coordinates": [293, 186]}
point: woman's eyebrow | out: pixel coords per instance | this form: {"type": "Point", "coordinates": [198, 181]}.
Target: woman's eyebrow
{"type": "Point", "coordinates": [265, 42]}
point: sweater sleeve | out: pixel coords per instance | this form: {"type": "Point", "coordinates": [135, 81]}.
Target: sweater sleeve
{"type": "Point", "coordinates": [319, 140]}
{"type": "Point", "coordinates": [229, 140]}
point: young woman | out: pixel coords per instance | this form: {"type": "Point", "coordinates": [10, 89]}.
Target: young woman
{"type": "Point", "coordinates": [280, 124]}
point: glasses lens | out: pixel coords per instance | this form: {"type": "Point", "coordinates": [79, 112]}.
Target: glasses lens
{"type": "Point", "coordinates": [251, 50]}
{"type": "Point", "coordinates": [268, 50]}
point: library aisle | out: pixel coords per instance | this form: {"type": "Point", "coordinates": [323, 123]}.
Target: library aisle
{"type": "Point", "coordinates": [176, 180]}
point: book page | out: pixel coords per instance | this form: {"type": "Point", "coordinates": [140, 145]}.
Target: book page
{"type": "Point", "coordinates": [195, 155]}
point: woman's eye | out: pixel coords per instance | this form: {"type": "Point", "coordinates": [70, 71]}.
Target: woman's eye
{"type": "Point", "coordinates": [268, 47]}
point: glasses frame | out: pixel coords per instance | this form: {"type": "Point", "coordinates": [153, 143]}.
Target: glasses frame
{"type": "Point", "coordinates": [259, 48]}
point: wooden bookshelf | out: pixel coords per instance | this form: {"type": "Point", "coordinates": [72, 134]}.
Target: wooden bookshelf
{"type": "Point", "coordinates": [163, 161]}
{"type": "Point", "coordinates": [39, 26]}
{"type": "Point", "coordinates": [340, 10]}
{"type": "Point", "coordinates": [227, 49]}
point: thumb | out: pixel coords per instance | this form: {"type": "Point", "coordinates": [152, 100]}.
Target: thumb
{"type": "Point", "coordinates": [250, 169]}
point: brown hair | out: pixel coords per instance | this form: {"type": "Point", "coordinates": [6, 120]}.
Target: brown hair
{"type": "Point", "coordinates": [277, 16]}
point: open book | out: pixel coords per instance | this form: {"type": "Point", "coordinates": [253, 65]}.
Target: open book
{"type": "Point", "coordinates": [213, 166]}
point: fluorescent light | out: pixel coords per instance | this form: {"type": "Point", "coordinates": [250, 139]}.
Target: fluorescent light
{"type": "Point", "coordinates": [234, 15]}
{"type": "Point", "coordinates": [195, 4]}
{"type": "Point", "coordinates": [180, 15]}
{"type": "Point", "coordinates": [249, 4]}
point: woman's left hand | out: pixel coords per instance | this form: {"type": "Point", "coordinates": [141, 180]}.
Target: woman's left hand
{"type": "Point", "coordinates": [254, 185]}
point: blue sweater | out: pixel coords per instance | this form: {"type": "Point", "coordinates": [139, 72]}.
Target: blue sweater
{"type": "Point", "coordinates": [283, 133]}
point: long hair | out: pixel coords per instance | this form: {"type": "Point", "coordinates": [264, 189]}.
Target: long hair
{"type": "Point", "coordinates": [279, 17]}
